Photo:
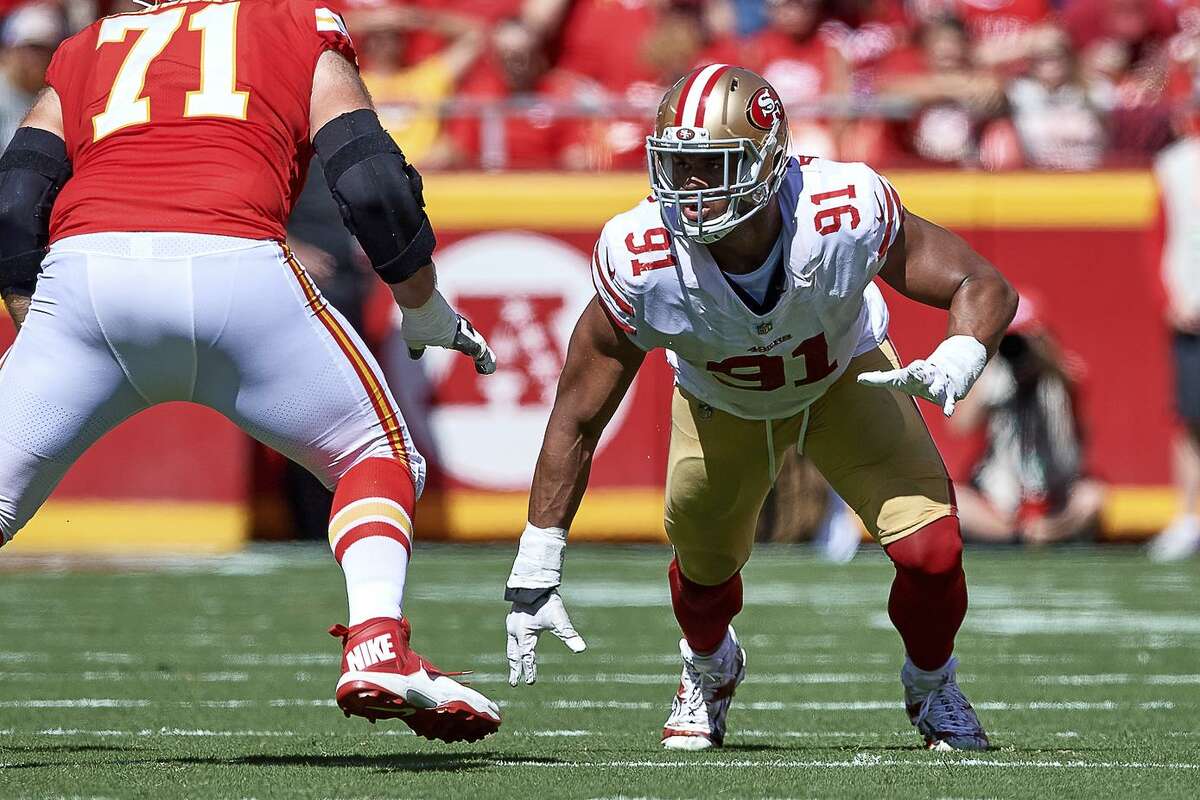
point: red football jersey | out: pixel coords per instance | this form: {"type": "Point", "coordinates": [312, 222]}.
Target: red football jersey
{"type": "Point", "coordinates": [191, 116]}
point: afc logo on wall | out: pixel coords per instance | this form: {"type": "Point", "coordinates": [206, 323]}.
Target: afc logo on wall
{"type": "Point", "coordinates": [525, 291]}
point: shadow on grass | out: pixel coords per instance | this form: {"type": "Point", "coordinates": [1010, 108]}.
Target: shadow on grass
{"type": "Point", "coordinates": [66, 748]}
{"type": "Point", "coordinates": [400, 762]}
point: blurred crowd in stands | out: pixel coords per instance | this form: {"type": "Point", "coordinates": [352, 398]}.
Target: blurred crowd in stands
{"type": "Point", "coordinates": [572, 84]}
{"type": "Point", "coordinates": [997, 84]}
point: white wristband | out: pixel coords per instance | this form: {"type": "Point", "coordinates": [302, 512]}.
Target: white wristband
{"type": "Point", "coordinates": [433, 324]}
{"type": "Point", "coordinates": [539, 558]}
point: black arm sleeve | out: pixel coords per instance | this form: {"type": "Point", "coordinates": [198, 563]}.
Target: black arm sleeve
{"type": "Point", "coordinates": [32, 170]}
{"type": "Point", "coordinates": [379, 194]}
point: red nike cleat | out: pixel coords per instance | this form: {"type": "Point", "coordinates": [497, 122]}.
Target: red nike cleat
{"type": "Point", "coordinates": [382, 678]}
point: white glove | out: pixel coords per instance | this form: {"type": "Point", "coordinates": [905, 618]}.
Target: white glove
{"type": "Point", "coordinates": [436, 324]}
{"type": "Point", "coordinates": [943, 378]}
{"type": "Point", "coordinates": [536, 605]}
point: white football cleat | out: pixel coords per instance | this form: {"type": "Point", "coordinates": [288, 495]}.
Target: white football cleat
{"type": "Point", "coordinates": [383, 678]}
{"type": "Point", "coordinates": [1178, 541]}
{"type": "Point", "coordinates": [701, 705]}
{"type": "Point", "coordinates": [939, 709]}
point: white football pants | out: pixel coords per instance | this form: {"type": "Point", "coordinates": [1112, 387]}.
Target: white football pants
{"type": "Point", "coordinates": [122, 321]}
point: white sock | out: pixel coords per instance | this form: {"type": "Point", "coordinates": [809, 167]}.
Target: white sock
{"type": "Point", "coordinates": [926, 680]}
{"type": "Point", "coordinates": [375, 569]}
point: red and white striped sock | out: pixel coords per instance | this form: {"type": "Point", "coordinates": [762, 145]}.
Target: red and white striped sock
{"type": "Point", "coordinates": [370, 531]}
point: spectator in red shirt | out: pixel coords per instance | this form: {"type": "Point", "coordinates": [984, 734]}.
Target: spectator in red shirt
{"type": "Point", "coordinates": [668, 50]}
{"type": "Point", "coordinates": [532, 124]}
{"type": "Point", "coordinates": [604, 40]}
{"type": "Point", "coordinates": [806, 70]}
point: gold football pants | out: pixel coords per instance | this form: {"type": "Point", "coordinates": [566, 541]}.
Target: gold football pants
{"type": "Point", "coordinates": [870, 444]}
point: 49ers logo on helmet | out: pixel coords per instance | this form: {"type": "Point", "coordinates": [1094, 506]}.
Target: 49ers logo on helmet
{"type": "Point", "coordinates": [764, 108]}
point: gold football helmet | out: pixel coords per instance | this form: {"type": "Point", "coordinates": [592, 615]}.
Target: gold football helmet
{"type": "Point", "coordinates": [717, 111]}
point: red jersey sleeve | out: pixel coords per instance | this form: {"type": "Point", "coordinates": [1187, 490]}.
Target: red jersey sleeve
{"type": "Point", "coordinates": [60, 73]}
{"type": "Point", "coordinates": [322, 28]}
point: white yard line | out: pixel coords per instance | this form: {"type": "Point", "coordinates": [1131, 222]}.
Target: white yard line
{"type": "Point", "coordinates": [872, 705]}
{"type": "Point", "coordinates": [281, 659]}
{"type": "Point", "coordinates": [109, 658]}
{"type": "Point", "coordinates": [861, 761]}
{"type": "Point", "coordinates": [854, 705]}
{"type": "Point", "coordinates": [145, 732]}
{"type": "Point", "coordinates": [672, 677]}
{"type": "Point", "coordinates": [1027, 620]}
{"type": "Point", "coordinates": [665, 677]}
{"type": "Point", "coordinates": [82, 702]}
{"type": "Point", "coordinates": [1118, 678]}
{"type": "Point", "coordinates": [843, 678]}
{"type": "Point", "coordinates": [116, 676]}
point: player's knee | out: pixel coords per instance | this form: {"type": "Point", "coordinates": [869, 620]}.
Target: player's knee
{"type": "Point", "coordinates": [932, 552]}
{"type": "Point", "coordinates": [708, 568]}
{"type": "Point", "coordinates": [385, 458]}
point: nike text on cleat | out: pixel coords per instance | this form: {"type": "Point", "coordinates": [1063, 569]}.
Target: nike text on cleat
{"type": "Point", "coordinates": [383, 679]}
{"type": "Point", "coordinates": [706, 688]}
{"type": "Point", "coordinates": [939, 709]}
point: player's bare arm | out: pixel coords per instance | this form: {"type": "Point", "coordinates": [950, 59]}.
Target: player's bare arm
{"type": "Point", "coordinates": [600, 366]}
{"type": "Point", "coordinates": [931, 265]}
{"type": "Point", "coordinates": [32, 170]}
{"type": "Point", "coordinates": [936, 267]}
{"type": "Point", "coordinates": [380, 195]}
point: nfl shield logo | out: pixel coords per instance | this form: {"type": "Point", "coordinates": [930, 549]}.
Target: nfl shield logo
{"type": "Point", "coordinates": [763, 328]}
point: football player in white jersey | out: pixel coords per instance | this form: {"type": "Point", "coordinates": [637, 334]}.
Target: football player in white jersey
{"type": "Point", "coordinates": [753, 269]}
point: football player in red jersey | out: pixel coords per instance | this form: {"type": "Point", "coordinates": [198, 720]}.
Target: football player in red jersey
{"type": "Point", "coordinates": [159, 166]}
{"type": "Point", "coordinates": [755, 270]}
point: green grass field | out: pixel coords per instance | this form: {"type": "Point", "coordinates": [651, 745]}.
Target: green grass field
{"type": "Point", "coordinates": [213, 678]}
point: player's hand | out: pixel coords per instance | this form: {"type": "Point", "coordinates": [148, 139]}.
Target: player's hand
{"type": "Point", "coordinates": [470, 343]}
{"type": "Point", "coordinates": [944, 378]}
{"type": "Point", "coordinates": [526, 622]}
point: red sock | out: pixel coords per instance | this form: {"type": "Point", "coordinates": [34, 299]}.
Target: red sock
{"type": "Point", "coordinates": [704, 612]}
{"type": "Point", "coordinates": [929, 595]}
{"type": "Point", "coordinates": [375, 498]}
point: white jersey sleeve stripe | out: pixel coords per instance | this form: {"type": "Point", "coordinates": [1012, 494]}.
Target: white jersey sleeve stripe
{"type": "Point", "coordinates": [616, 307]}
{"type": "Point", "coordinates": [890, 215]}
{"type": "Point", "coordinates": [894, 217]}
{"type": "Point", "coordinates": [607, 286]}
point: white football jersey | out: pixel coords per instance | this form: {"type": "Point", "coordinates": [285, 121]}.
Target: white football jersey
{"type": "Point", "coordinates": [821, 311]}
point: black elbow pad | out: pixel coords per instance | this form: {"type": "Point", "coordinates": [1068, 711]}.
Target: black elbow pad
{"type": "Point", "coordinates": [32, 170]}
{"type": "Point", "coordinates": [379, 194]}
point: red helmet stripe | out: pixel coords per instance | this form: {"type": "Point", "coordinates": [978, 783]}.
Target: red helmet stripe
{"type": "Point", "coordinates": [698, 84]}
{"type": "Point", "coordinates": [708, 87]}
